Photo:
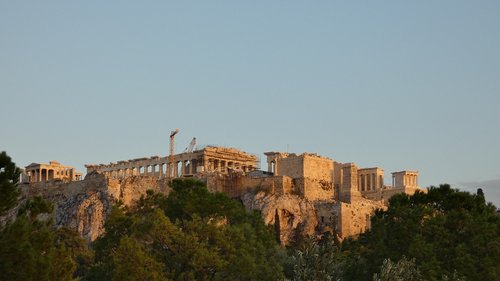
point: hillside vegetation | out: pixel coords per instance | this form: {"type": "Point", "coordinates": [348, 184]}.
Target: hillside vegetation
{"type": "Point", "coordinates": [193, 234]}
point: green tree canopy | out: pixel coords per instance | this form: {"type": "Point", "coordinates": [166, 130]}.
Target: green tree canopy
{"type": "Point", "coordinates": [448, 233]}
{"type": "Point", "coordinates": [9, 178]}
{"type": "Point", "coordinates": [190, 235]}
{"type": "Point", "coordinates": [32, 249]}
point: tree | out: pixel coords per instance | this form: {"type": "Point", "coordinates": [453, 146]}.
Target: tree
{"type": "Point", "coordinates": [9, 178]}
{"type": "Point", "coordinates": [191, 235]}
{"type": "Point", "coordinates": [404, 270]}
{"type": "Point", "coordinates": [135, 264]}
{"type": "Point", "coordinates": [31, 249]}
{"type": "Point", "coordinates": [448, 232]}
{"type": "Point", "coordinates": [316, 260]}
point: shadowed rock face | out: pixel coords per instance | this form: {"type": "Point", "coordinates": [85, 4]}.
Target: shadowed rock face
{"type": "Point", "coordinates": [85, 213]}
{"type": "Point", "coordinates": [295, 215]}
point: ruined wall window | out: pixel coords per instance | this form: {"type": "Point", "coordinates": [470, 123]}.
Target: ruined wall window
{"type": "Point", "coordinates": [179, 169]}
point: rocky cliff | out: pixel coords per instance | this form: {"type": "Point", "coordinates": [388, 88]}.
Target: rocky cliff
{"type": "Point", "coordinates": [84, 205]}
{"type": "Point", "coordinates": [295, 216]}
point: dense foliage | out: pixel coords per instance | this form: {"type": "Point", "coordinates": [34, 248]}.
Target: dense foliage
{"type": "Point", "coordinates": [447, 232]}
{"type": "Point", "coordinates": [192, 234]}
{"type": "Point", "coordinates": [32, 249]}
{"type": "Point", "coordinates": [9, 177]}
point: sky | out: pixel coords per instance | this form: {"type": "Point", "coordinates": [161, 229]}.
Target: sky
{"type": "Point", "coordinates": [402, 85]}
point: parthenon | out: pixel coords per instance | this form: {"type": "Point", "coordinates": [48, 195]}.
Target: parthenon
{"type": "Point", "coordinates": [207, 159]}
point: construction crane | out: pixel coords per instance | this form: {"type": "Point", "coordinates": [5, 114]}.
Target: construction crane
{"type": "Point", "coordinates": [191, 146]}
{"type": "Point", "coordinates": [171, 160]}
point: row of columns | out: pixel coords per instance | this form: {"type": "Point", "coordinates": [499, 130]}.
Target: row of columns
{"type": "Point", "coordinates": [369, 182]}
{"type": "Point", "coordinates": [180, 168]}
{"type": "Point", "coordinates": [151, 170]}
{"type": "Point", "coordinates": [405, 180]}
{"type": "Point", "coordinates": [39, 175]}
{"type": "Point", "coordinates": [221, 165]}
{"type": "Point", "coordinates": [411, 180]}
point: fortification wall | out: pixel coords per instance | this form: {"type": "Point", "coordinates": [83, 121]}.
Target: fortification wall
{"type": "Point", "coordinates": [236, 184]}
{"type": "Point", "coordinates": [314, 189]}
{"type": "Point", "coordinates": [328, 216]}
{"type": "Point", "coordinates": [373, 194]}
{"type": "Point", "coordinates": [318, 168]}
{"type": "Point", "coordinates": [292, 166]}
{"type": "Point", "coordinates": [355, 218]}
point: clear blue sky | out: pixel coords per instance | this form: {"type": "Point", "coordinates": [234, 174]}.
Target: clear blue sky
{"type": "Point", "coordinates": [394, 84]}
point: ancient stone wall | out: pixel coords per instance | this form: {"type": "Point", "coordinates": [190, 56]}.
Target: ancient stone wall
{"type": "Point", "coordinates": [292, 166]}
{"type": "Point", "coordinates": [316, 167]}
{"type": "Point", "coordinates": [314, 189]}
{"type": "Point", "coordinates": [355, 218]}
{"type": "Point", "coordinates": [337, 178]}
{"type": "Point", "coordinates": [236, 184]}
{"type": "Point", "coordinates": [312, 175]}
{"type": "Point", "coordinates": [349, 191]}
{"type": "Point", "coordinates": [328, 216]}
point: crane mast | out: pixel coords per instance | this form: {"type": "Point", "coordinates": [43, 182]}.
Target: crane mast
{"type": "Point", "coordinates": [191, 146]}
{"type": "Point", "coordinates": [171, 159]}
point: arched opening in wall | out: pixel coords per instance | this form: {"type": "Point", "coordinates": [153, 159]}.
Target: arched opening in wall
{"type": "Point", "coordinates": [141, 170]}
{"type": "Point", "coordinates": [150, 169]}
{"type": "Point", "coordinates": [179, 169]}
{"type": "Point", "coordinates": [186, 167]}
{"type": "Point", "coordinates": [273, 167]}
{"type": "Point", "coordinates": [163, 168]}
{"type": "Point", "coordinates": [194, 163]}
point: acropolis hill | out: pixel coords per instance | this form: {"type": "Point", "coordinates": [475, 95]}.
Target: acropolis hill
{"type": "Point", "coordinates": [303, 194]}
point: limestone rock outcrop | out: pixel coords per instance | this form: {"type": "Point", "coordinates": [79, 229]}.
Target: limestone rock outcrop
{"type": "Point", "coordinates": [294, 215]}
{"type": "Point", "coordinates": [83, 206]}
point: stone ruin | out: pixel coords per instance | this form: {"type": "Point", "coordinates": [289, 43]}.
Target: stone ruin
{"type": "Point", "coordinates": [304, 194]}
